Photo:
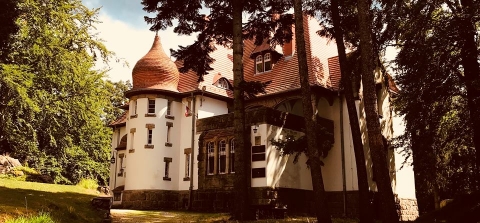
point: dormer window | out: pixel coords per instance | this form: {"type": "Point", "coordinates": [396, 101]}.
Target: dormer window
{"type": "Point", "coordinates": [267, 62]}
{"type": "Point", "coordinates": [263, 63]}
{"type": "Point", "coordinates": [259, 64]}
{"type": "Point", "coordinates": [222, 83]}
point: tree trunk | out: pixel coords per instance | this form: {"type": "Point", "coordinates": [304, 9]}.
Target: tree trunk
{"type": "Point", "coordinates": [241, 181]}
{"type": "Point", "coordinates": [366, 214]}
{"type": "Point", "coordinates": [469, 55]}
{"type": "Point", "coordinates": [379, 154]}
{"type": "Point", "coordinates": [321, 207]}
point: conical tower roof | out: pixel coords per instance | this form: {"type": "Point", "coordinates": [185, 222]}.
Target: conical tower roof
{"type": "Point", "coordinates": [155, 70]}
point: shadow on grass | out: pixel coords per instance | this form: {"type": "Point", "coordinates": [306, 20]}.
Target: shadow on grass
{"type": "Point", "coordinates": [63, 206]}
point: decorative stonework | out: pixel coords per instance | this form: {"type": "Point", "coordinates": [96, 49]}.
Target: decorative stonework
{"type": "Point", "coordinates": [150, 126]}
{"type": "Point", "coordinates": [134, 116]}
{"type": "Point", "coordinates": [150, 115]}
{"type": "Point", "coordinates": [149, 146]}
{"type": "Point", "coordinates": [133, 130]}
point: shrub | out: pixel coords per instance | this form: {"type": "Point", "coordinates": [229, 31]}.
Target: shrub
{"type": "Point", "coordinates": [88, 184]}
{"type": "Point", "coordinates": [40, 218]}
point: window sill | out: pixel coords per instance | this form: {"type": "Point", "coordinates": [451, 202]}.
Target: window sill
{"type": "Point", "coordinates": [150, 115]}
{"type": "Point", "coordinates": [134, 116]}
{"type": "Point", "coordinates": [264, 72]}
{"type": "Point", "coordinates": [131, 150]}
{"type": "Point", "coordinates": [149, 146]}
{"type": "Point", "coordinates": [186, 179]}
{"type": "Point", "coordinates": [170, 117]}
{"type": "Point", "coordinates": [167, 179]}
{"type": "Point", "coordinates": [168, 144]}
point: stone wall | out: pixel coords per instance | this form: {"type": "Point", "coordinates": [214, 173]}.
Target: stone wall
{"type": "Point", "coordinates": [407, 209]}
{"type": "Point", "coordinates": [155, 199]}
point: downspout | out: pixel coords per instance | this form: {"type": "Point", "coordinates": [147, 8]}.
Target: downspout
{"type": "Point", "coordinates": [342, 148]}
{"type": "Point", "coordinates": [192, 154]}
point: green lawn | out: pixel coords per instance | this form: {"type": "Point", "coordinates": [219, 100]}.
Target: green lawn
{"type": "Point", "coordinates": [64, 203]}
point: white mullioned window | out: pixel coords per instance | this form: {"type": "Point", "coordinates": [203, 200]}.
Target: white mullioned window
{"type": "Point", "coordinates": [259, 64]}
{"type": "Point", "coordinates": [151, 106]}
{"type": "Point", "coordinates": [232, 156]}
{"type": "Point", "coordinates": [267, 62]}
{"type": "Point", "coordinates": [210, 158]}
{"type": "Point", "coordinates": [222, 157]}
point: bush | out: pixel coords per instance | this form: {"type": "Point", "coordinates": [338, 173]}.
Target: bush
{"type": "Point", "coordinates": [88, 184]}
{"type": "Point", "coordinates": [40, 218]}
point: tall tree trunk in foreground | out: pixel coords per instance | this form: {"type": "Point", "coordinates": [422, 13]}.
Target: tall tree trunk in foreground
{"type": "Point", "coordinates": [469, 55]}
{"type": "Point", "coordinates": [321, 208]}
{"type": "Point", "coordinates": [366, 214]}
{"type": "Point", "coordinates": [386, 199]}
{"type": "Point", "coordinates": [241, 209]}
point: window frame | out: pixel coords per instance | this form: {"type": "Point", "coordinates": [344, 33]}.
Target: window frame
{"type": "Point", "coordinates": [259, 61]}
{"type": "Point", "coordinates": [267, 60]}
{"type": "Point", "coordinates": [232, 156]}
{"type": "Point", "coordinates": [149, 136]}
{"type": "Point", "coordinates": [210, 158]}
{"type": "Point", "coordinates": [151, 106]}
{"type": "Point", "coordinates": [222, 151]}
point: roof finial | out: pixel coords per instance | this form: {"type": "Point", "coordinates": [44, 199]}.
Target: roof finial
{"type": "Point", "coordinates": [156, 33]}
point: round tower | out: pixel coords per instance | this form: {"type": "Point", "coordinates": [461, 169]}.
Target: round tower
{"type": "Point", "coordinates": [151, 121]}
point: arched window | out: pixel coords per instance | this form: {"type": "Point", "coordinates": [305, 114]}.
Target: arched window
{"type": "Point", "coordinates": [210, 158]}
{"type": "Point", "coordinates": [222, 83]}
{"type": "Point", "coordinates": [259, 64]}
{"type": "Point", "coordinates": [232, 156]}
{"type": "Point", "coordinates": [267, 62]}
{"type": "Point", "coordinates": [222, 157]}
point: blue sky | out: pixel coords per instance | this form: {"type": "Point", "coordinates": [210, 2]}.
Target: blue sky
{"type": "Point", "coordinates": [125, 32]}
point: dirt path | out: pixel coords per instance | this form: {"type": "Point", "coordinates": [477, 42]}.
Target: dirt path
{"type": "Point", "coordinates": [131, 216]}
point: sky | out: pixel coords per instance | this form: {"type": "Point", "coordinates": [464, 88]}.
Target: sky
{"type": "Point", "coordinates": [125, 32]}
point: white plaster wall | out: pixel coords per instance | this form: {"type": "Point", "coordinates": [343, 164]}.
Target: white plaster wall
{"type": "Point", "coordinates": [262, 132]}
{"type": "Point", "coordinates": [405, 179]}
{"type": "Point", "coordinates": [332, 169]}
{"type": "Point", "coordinates": [116, 181]}
{"type": "Point", "coordinates": [146, 167]}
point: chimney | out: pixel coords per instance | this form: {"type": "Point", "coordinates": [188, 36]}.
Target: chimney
{"type": "Point", "coordinates": [288, 49]}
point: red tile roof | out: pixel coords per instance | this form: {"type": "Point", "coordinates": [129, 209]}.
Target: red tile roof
{"type": "Point", "coordinates": [120, 121]}
{"type": "Point", "coordinates": [155, 70]}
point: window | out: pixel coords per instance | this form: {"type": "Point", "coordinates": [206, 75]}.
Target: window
{"type": "Point", "coordinates": [222, 157]}
{"type": "Point", "coordinates": [267, 62]}
{"type": "Point", "coordinates": [169, 108]}
{"type": "Point", "coordinates": [187, 153]}
{"type": "Point", "coordinates": [258, 172]}
{"type": "Point", "coordinates": [167, 161]}
{"type": "Point", "coordinates": [149, 136]}
{"type": "Point", "coordinates": [151, 106]}
{"type": "Point", "coordinates": [232, 156]}
{"type": "Point", "coordinates": [122, 168]}
{"type": "Point", "coordinates": [259, 64]}
{"type": "Point", "coordinates": [258, 153]}
{"type": "Point", "coordinates": [169, 134]}
{"type": "Point", "coordinates": [117, 196]}
{"type": "Point", "coordinates": [222, 83]}
{"type": "Point", "coordinates": [211, 158]}
{"type": "Point", "coordinates": [134, 108]}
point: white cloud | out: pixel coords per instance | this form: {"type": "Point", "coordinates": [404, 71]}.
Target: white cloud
{"type": "Point", "coordinates": [132, 43]}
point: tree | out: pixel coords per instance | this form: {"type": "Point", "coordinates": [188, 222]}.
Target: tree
{"type": "Point", "coordinates": [321, 209]}
{"type": "Point", "coordinates": [438, 73]}
{"type": "Point", "coordinates": [58, 96]}
{"type": "Point", "coordinates": [366, 214]}
{"type": "Point", "coordinates": [8, 15]}
{"type": "Point", "coordinates": [117, 98]}
{"type": "Point", "coordinates": [386, 199]}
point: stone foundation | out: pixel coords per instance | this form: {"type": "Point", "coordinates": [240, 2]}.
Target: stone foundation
{"type": "Point", "coordinates": [155, 199]}
{"type": "Point", "coordinates": [407, 209]}
{"type": "Point", "coordinates": [293, 201]}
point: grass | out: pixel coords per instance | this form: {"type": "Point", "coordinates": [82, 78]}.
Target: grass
{"type": "Point", "coordinates": [63, 203]}
{"type": "Point", "coordinates": [88, 184]}
{"type": "Point", "coordinates": [40, 218]}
